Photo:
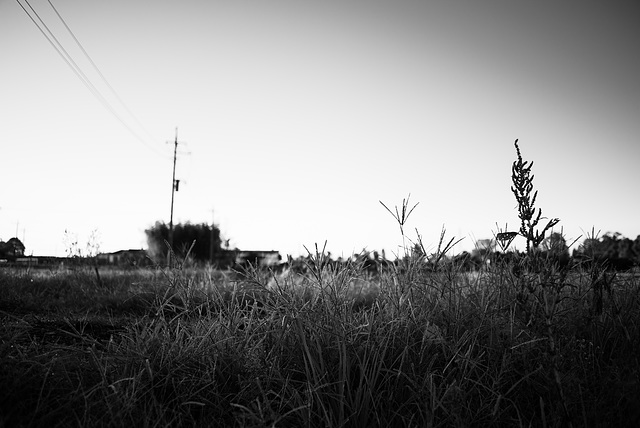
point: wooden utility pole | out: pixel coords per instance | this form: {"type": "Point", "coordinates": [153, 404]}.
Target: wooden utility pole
{"type": "Point", "coordinates": [174, 188]}
{"type": "Point", "coordinates": [211, 238]}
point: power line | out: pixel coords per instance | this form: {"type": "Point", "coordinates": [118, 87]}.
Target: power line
{"type": "Point", "coordinates": [64, 54]}
{"type": "Point", "coordinates": [95, 67]}
{"type": "Point", "coordinates": [60, 49]}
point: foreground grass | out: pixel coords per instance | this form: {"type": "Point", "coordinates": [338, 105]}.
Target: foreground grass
{"type": "Point", "coordinates": [331, 347]}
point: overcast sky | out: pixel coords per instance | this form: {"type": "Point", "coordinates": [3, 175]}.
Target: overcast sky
{"type": "Point", "coordinates": [296, 117]}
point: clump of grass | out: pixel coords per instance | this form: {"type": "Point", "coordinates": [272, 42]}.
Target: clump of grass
{"type": "Point", "coordinates": [401, 217]}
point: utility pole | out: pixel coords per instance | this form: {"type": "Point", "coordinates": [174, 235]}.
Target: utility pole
{"type": "Point", "coordinates": [174, 188]}
{"type": "Point", "coordinates": [211, 238]}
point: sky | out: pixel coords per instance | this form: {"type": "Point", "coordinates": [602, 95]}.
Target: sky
{"type": "Point", "coordinates": [296, 118]}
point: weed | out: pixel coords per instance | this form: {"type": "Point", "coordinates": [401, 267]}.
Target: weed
{"type": "Point", "coordinates": [522, 189]}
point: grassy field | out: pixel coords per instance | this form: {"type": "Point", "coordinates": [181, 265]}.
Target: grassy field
{"type": "Point", "coordinates": [526, 341]}
{"type": "Point", "coordinates": [331, 346]}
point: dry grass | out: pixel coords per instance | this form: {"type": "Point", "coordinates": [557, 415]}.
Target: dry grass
{"type": "Point", "coordinates": [423, 342]}
{"type": "Point", "coordinates": [416, 348]}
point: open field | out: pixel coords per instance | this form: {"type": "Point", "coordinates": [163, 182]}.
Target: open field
{"type": "Point", "coordinates": [332, 346]}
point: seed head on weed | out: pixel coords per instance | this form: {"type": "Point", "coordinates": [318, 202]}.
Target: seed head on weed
{"type": "Point", "coordinates": [522, 189]}
{"type": "Point", "coordinates": [402, 216]}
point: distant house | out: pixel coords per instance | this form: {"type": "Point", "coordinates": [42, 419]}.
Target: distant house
{"type": "Point", "coordinates": [124, 258]}
{"type": "Point", "coordinates": [11, 249]}
{"type": "Point", "coordinates": [257, 258]}
{"type": "Point", "coordinates": [26, 261]}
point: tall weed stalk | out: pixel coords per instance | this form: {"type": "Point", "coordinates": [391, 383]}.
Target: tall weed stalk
{"type": "Point", "coordinates": [544, 281]}
{"type": "Point", "coordinates": [522, 189]}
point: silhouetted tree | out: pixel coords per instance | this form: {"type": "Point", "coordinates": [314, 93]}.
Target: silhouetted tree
{"type": "Point", "coordinates": [555, 248]}
{"type": "Point", "coordinates": [11, 249]}
{"type": "Point", "coordinates": [635, 248]}
{"type": "Point", "coordinates": [184, 235]}
{"type": "Point", "coordinates": [612, 250]}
